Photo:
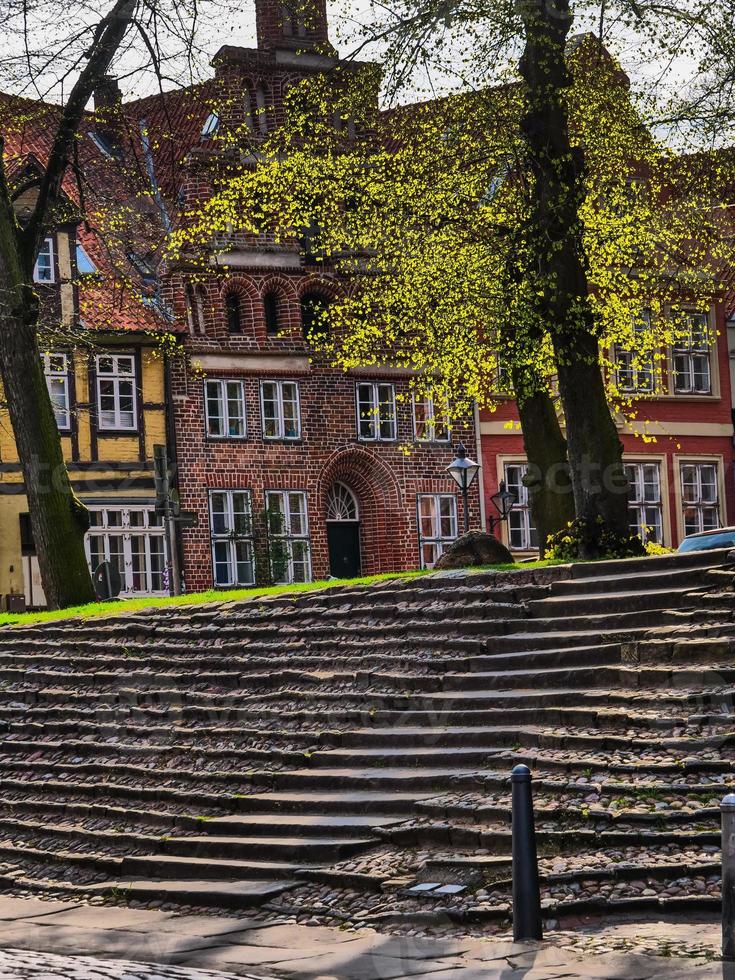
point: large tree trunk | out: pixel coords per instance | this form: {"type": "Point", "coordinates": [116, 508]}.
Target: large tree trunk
{"type": "Point", "coordinates": [57, 517]}
{"type": "Point", "coordinates": [548, 482]}
{"type": "Point", "coordinates": [556, 264]}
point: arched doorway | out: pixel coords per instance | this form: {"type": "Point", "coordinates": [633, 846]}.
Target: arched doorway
{"type": "Point", "coordinates": [343, 532]}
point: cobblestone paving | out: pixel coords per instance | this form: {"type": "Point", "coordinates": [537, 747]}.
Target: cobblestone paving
{"type": "Point", "coordinates": [18, 964]}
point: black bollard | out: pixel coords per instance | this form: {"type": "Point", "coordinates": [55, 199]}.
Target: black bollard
{"type": "Point", "coordinates": [727, 809]}
{"type": "Point", "coordinates": [526, 895]}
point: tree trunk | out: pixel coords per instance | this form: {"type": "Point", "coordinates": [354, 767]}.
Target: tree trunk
{"type": "Point", "coordinates": [58, 519]}
{"type": "Point", "coordinates": [554, 251]}
{"type": "Point", "coordinates": [548, 482]}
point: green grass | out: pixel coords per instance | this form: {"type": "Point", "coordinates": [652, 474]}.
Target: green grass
{"type": "Point", "coordinates": [98, 609]}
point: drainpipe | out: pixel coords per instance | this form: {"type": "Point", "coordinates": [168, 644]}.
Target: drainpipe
{"type": "Point", "coordinates": [481, 475]}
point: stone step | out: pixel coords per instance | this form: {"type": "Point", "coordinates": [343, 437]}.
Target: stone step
{"type": "Point", "coordinates": [612, 602]}
{"type": "Point", "coordinates": [162, 866]}
{"type": "Point", "coordinates": [305, 848]}
{"type": "Point", "coordinates": [657, 579]}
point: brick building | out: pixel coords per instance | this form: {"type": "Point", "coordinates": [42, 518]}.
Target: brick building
{"type": "Point", "coordinates": [340, 473]}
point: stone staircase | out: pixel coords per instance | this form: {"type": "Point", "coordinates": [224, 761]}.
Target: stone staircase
{"type": "Point", "coordinates": [343, 755]}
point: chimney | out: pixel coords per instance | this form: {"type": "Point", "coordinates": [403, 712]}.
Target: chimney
{"type": "Point", "coordinates": [294, 24]}
{"type": "Point", "coordinates": [108, 115]}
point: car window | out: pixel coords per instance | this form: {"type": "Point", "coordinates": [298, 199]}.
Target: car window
{"type": "Point", "coordinates": [707, 542]}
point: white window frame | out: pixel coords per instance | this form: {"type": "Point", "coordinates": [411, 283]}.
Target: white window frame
{"type": "Point", "coordinates": [280, 419]}
{"type": "Point", "coordinates": [125, 531]}
{"type": "Point", "coordinates": [641, 374]}
{"type": "Point", "coordinates": [117, 377]}
{"type": "Point", "coordinates": [62, 415]}
{"type": "Point", "coordinates": [520, 514]}
{"type": "Point", "coordinates": [46, 249]}
{"type": "Point", "coordinates": [687, 351]}
{"type": "Point", "coordinates": [373, 421]}
{"type": "Point", "coordinates": [288, 537]}
{"type": "Point", "coordinates": [699, 506]}
{"type": "Point", "coordinates": [436, 540]}
{"type": "Point", "coordinates": [224, 387]}
{"type": "Point", "coordinates": [231, 538]}
{"type": "Point", "coordinates": [641, 503]}
{"type": "Point", "coordinates": [432, 421]}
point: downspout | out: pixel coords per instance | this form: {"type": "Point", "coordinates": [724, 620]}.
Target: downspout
{"type": "Point", "coordinates": [481, 476]}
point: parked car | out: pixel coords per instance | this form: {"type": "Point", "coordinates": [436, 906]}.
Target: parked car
{"type": "Point", "coordinates": [721, 537]}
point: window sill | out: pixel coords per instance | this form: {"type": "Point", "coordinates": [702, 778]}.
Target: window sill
{"type": "Point", "coordinates": [287, 440]}
{"type": "Point", "coordinates": [216, 439]}
{"type": "Point", "coordinates": [117, 432]}
{"type": "Point", "coordinates": [372, 442]}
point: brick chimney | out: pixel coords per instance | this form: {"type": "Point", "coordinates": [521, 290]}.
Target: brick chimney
{"type": "Point", "coordinates": [295, 24]}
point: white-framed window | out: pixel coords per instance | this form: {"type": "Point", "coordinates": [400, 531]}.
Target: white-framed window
{"type": "Point", "coordinates": [430, 418]}
{"type": "Point", "coordinates": [376, 411]}
{"type": "Point", "coordinates": [522, 535]}
{"type": "Point", "coordinates": [280, 409]}
{"type": "Point", "coordinates": [56, 370]}
{"type": "Point", "coordinates": [231, 525]}
{"type": "Point", "coordinates": [700, 496]}
{"type": "Point", "coordinates": [437, 513]}
{"type": "Point", "coordinates": [644, 500]}
{"type": "Point", "coordinates": [130, 536]}
{"type": "Point", "coordinates": [44, 268]}
{"type": "Point", "coordinates": [288, 535]}
{"type": "Point", "coordinates": [633, 370]}
{"type": "Point", "coordinates": [116, 394]}
{"type": "Point", "coordinates": [691, 356]}
{"type": "Point", "coordinates": [224, 404]}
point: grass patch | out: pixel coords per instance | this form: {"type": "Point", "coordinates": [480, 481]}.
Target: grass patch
{"type": "Point", "coordinates": [99, 609]}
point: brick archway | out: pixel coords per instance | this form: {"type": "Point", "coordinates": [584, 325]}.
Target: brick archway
{"type": "Point", "coordinates": [382, 518]}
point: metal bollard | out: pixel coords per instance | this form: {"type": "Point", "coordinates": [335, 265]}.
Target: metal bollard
{"type": "Point", "coordinates": [727, 808]}
{"type": "Point", "coordinates": [526, 895]}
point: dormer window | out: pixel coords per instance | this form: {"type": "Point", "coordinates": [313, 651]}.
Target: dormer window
{"type": "Point", "coordinates": [85, 266]}
{"type": "Point", "coordinates": [44, 269]}
{"type": "Point", "coordinates": [210, 127]}
{"type": "Point", "coordinates": [103, 145]}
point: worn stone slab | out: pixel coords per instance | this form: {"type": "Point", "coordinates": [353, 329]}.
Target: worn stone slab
{"type": "Point", "coordinates": [26, 908]}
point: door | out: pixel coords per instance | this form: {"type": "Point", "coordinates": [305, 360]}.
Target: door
{"type": "Point", "coordinates": [343, 538]}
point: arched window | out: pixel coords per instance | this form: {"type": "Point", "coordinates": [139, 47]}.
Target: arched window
{"type": "Point", "coordinates": [234, 313]}
{"type": "Point", "coordinates": [313, 315]}
{"type": "Point", "coordinates": [255, 108]}
{"type": "Point", "coordinates": [270, 308]}
{"type": "Point", "coordinates": [341, 504]}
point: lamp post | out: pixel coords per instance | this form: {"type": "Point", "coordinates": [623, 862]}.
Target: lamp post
{"type": "Point", "coordinates": [463, 471]}
{"type": "Point", "coordinates": [504, 501]}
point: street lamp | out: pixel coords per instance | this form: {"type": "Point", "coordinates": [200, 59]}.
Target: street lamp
{"type": "Point", "coordinates": [504, 501]}
{"type": "Point", "coordinates": [463, 471]}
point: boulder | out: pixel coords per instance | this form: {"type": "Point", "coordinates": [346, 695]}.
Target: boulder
{"type": "Point", "coordinates": [475, 548]}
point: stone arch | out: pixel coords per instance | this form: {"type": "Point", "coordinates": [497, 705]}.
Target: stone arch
{"type": "Point", "coordinates": [382, 518]}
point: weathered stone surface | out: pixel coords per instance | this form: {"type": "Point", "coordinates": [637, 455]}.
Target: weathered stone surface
{"type": "Point", "coordinates": [475, 548]}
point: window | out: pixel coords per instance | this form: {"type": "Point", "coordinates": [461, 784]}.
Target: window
{"type": "Point", "coordinates": [644, 501]}
{"type": "Point", "coordinates": [280, 406]}
{"type": "Point", "coordinates": [691, 356]}
{"type": "Point", "coordinates": [56, 369]}
{"type": "Point", "coordinates": [376, 411]}
{"type": "Point", "coordinates": [44, 269]}
{"type": "Point", "coordinates": [234, 315]}
{"type": "Point", "coordinates": [210, 127]}
{"type": "Point", "coordinates": [313, 316]}
{"type": "Point", "coordinates": [270, 309]}
{"type": "Point", "coordinates": [437, 525]}
{"type": "Point", "coordinates": [634, 371]}
{"type": "Point", "coordinates": [85, 266]}
{"type": "Point", "coordinates": [231, 523]}
{"type": "Point", "coordinates": [116, 396]}
{"type": "Point", "coordinates": [254, 109]}
{"type": "Point", "coordinates": [131, 537]}
{"type": "Point", "coordinates": [522, 535]}
{"type": "Point", "coordinates": [195, 309]}
{"type": "Point", "coordinates": [225, 409]}
{"type": "Point", "coordinates": [288, 534]}
{"type": "Point", "coordinates": [430, 419]}
{"type": "Point", "coordinates": [700, 497]}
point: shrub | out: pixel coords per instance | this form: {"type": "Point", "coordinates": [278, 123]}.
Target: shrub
{"type": "Point", "coordinates": [582, 537]}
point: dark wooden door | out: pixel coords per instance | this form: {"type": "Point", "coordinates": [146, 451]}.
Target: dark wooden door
{"type": "Point", "coordinates": [344, 548]}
